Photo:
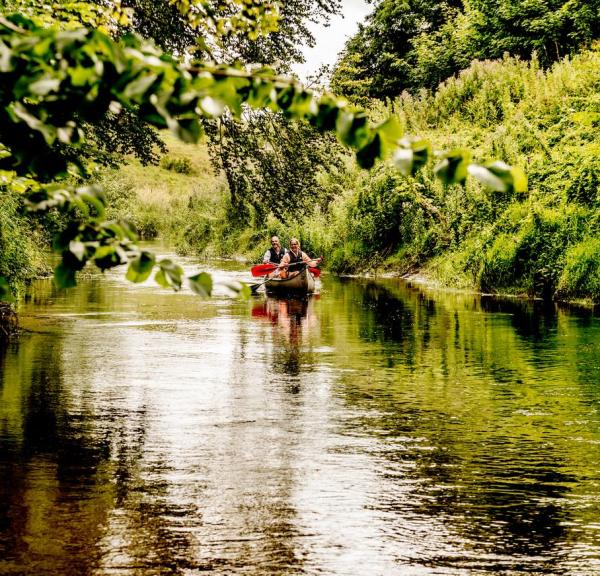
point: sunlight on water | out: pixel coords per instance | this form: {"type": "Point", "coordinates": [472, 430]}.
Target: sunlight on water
{"type": "Point", "coordinates": [374, 428]}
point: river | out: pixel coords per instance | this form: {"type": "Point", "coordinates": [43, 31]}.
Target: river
{"type": "Point", "coordinates": [377, 428]}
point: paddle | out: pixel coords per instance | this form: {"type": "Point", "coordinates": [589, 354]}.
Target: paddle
{"type": "Point", "coordinates": [255, 287]}
{"type": "Point", "coordinates": [264, 269]}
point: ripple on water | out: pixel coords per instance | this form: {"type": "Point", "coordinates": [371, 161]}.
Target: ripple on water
{"type": "Point", "coordinates": [377, 430]}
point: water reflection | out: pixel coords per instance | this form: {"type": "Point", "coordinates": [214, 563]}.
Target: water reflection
{"type": "Point", "coordinates": [380, 429]}
{"type": "Point", "coordinates": [292, 320]}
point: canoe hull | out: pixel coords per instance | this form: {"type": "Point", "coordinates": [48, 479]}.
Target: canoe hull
{"type": "Point", "coordinates": [302, 283]}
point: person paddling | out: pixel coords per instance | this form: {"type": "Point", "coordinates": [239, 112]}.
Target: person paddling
{"type": "Point", "coordinates": [274, 255]}
{"type": "Point", "coordinates": [293, 257]}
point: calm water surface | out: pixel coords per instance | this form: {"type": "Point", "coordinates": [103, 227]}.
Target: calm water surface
{"type": "Point", "coordinates": [375, 429]}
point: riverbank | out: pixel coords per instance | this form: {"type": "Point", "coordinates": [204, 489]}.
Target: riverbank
{"type": "Point", "coordinates": [543, 244]}
{"type": "Point", "coordinates": [8, 322]}
{"type": "Point", "coordinates": [423, 280]}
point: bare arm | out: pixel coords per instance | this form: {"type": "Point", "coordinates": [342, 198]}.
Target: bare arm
{"type": "Point", "coordinates": [310, 261]}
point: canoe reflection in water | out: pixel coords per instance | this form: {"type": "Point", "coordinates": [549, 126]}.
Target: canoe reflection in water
{"type": "Point", "coordinates": [292, 319]}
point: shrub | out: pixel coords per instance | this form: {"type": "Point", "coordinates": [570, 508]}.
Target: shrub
{"type": "Point", "coordinates": [21, 243]}
{"type": "Point", "coordinates": [197, 236]}
{"type": "Point", "coordinates": [179, 164]}
{"type": "Point", "coordinates": [580, 276]}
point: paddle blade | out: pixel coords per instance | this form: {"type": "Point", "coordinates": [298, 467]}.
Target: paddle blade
{"type": "Point", "coordinates": [314, 271]}
{"type": "Point", "coordinates": [262, 269]}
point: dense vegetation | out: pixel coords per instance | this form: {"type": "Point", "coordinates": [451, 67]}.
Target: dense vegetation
{"type": "Point", "coordinates": [406, 45]}
{"type": "Point", "coordinates": [70, 120]}
{"type": "Point", "coordinates": [545, 242]}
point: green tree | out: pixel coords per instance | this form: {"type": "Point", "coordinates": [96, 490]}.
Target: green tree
{"type": "Point", "coordinates": [272, 163]}
{"type": "Point", "coordinates": [414, 44]}
{"type": "Point", "coordinates": [380, 61]}
{"type": "Point", "coordinates": [552, 28]}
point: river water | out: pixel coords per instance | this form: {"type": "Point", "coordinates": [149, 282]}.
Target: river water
{"type": "Point", "coordinates": [377, 428]}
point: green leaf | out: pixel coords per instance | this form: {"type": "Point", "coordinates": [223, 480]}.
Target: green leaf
{"type": "Point", "coordinates": [352, 129]}
{"type": "Point", "coordinates": [17, 110]}
{"type": "Point", "coordinates": [240, 289]}
{"type": "Point", "coordinates": [44, 85]}
{"type": "Point", "coordinates": [452, 168]}
{"type": "Point", "coordinates": [403, 160]}
{"type": "Point", "coordinates": [161, 279]}
{"type": "Point", "coordinates": [285, 97]}
{"type": "Point", "coordinates": [390, 132]}
{"type": "Point", "coordinates": [139, 86]}
{"type": "Point", "coordinates": [68, 134]}
{"type": "Point", "coordinates": [326, 117]}
{"type": "Point", "coordinates": [367, 155]}
{"type": "Point", "coordinates": [169, 275]}
{"type": "Point", "coordinates": [93, 199]}
{"type": "Point", "coordinates": [107, 257]}
{"type": "Point", "coordinates": [64, 276]}
{"type": "Point", "coordinates": [201, 284]}
{"type": "Point", "coordinates": [499, 176]}
{"type": "Point", "coordinates": [81, 76]}
{"type": "Point", "coordinates": [61, 241]}
{"type": "Point", "coordinates": [115, 229]}
{"type": "Point", "coordinates": [141, 267]}
{"type": "Point", "coordinates": [519, 179]}
{"type": "Point", "coordinates": [412, 155]}
{"type": "Point", "coordinates": [5, 58]}
{"type": "Point", "coordinates": [77, 248]}
{"type": "Point", "coordinates": [212, 107]}
{"type": "Point", "coordinates": [188, 130]}
{"type": "Point", "coordinates": [5, 291]}
{"type": "Point", "coordinates": [303, 104]}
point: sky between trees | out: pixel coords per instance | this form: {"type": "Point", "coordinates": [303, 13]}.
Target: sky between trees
{"type": "Point", "coordinates": [330, 40]}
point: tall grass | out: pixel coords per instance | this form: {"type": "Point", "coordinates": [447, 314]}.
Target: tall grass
{"type": "Point", "coordinates": [181, 200]}
{"type": "Point", "coordinates": [23, 244]}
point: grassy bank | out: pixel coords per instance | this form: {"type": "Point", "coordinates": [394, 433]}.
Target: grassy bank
{"type": "Point", "coordinates": [24, 244]}
{"type": "Point", "coordinates": [181, 200]}
{"type": "Point", "coordinates": [543, 243]}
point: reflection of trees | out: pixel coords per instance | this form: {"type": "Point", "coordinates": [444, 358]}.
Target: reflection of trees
{"type": "Point", "coordinates": [534, 321]}
{"type": "Point", "coordinates": [89, 296]}
{"type": "Point", "coordinates": [65, 472]}
{"type": "Point", "coordinates": [8, 324]}
{"type": "Point", "coordinates": [49, 469]}
{"type": "Point", "coordinates": [468, 377]}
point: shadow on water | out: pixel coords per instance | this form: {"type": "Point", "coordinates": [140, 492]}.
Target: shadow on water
{"type": "Point", "coordinates": [71, 468]}
{"type": "Point", "coordinates": [47, 463]}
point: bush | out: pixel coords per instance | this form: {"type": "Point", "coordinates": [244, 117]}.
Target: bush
{"type": "Point", "coordinates": [580, 276]}
{"type": "Point", "coordinates": [197, 236]}
{"type": "Point", "coordinates": [179, 164]}
{"type": "Point", "coordinates": [21, 243]}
